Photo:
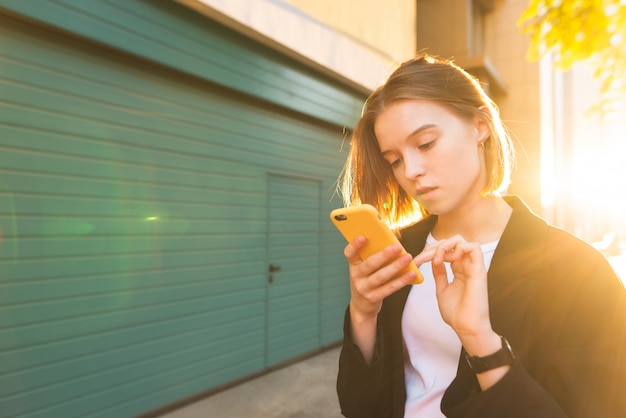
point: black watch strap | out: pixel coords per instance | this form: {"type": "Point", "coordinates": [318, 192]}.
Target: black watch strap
{"type": "Point", "coordinates": [503, 357]}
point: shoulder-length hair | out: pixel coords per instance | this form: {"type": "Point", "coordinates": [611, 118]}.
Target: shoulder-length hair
{"type": "Point", "coordinates": [368, 178]}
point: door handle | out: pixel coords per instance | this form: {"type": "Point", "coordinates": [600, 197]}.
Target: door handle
{"type": "Point", "coordinates": [273, 268]}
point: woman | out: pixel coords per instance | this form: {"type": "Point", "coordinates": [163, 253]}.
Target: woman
{"type": "Point", "coordinates": [515, 318]}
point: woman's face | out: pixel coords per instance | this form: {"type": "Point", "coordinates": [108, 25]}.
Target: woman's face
{"type": "Point", "coordinates": [436, 157]}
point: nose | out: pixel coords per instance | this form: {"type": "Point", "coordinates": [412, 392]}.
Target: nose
{"type": "Point", "coordinates": [413, 166]}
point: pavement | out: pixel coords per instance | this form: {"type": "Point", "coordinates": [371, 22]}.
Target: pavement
{"type": "Point", "coordinates": [305, 389]}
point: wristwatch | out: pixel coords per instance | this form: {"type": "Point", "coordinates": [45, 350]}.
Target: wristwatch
{"type": "Point", "coordinates": [503, 357]}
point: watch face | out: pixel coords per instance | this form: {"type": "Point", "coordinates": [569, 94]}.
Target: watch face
{"type": "Point", "coordinates": [502, 357]}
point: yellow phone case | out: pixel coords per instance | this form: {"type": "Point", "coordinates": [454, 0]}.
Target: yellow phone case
{"type": "Point", "coordinates": [365, 220]}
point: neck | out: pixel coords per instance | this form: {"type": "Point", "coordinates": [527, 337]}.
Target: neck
{"type": "Point", "coordinates": [481, 222]}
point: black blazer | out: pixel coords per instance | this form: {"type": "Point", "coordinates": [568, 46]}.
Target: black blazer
{"type": "Point", "coordinates": [558, 302]}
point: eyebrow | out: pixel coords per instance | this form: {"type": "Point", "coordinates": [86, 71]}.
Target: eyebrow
{"type": "Point", "coordinates": [414, 133]}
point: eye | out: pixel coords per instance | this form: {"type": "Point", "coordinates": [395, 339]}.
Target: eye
{"type": "Point", "coordinates": [426, 146]}
{"type": "Point", "coordinates": [394, 159]}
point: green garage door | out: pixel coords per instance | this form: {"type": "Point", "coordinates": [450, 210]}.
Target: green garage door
{"type": "Point", "coordinates": [293, 320]}
{"type": "Point", "coordinates": [140, 209]}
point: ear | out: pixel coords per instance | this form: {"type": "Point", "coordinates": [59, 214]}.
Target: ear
{"type": "Point", "coordinates": [482, 125]}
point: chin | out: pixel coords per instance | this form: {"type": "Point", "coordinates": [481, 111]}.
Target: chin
{"type": "Point", "coordinates": [435, 209]}
{"type": "Point", "coordinates": [430, 207]}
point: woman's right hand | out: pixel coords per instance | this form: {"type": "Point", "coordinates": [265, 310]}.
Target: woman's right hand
{"type": "Point", "coordinates": [374, 279]}
{"type": "Point", "coordinates": [371, 281]}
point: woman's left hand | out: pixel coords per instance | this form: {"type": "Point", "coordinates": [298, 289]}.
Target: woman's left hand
{"type": "Point", "coordinates": [463, 301]}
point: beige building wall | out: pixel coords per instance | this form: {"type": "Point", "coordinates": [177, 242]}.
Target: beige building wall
{"type": "Point", "coordinates": [359, 42]}
{"type": "Point", "coordinates": [387, 26]}
{"type": "Point", "coordinates": [520, 107]}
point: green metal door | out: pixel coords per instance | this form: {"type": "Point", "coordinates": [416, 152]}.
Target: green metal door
{"type": "Point", "coordinates": [293, 310]}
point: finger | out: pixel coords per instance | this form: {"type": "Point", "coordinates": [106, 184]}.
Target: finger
{"type": "Point", "coordinates": [393, 269]}
{"type": "Point", "coordinates": [465, 249]}
{"type": "Point", "coordinates": [382, 258]}
{"type": "Point", "coordinates": [437, 249]}
{"type": "Point", "coordinates": [440, 275]}
{"type": "Point", "coordinates": [376, 285]}
{"type": "Point", "coordinates": [380, 279]}
{"type": "Point", "coordinates": [450, 249]}
{"type": "Point", "coordinates": [443, 253]}
{"type": "Point", "coordinates": [393, 285]}
{"type": "Point", "coordinates": [351, 251]}
{"type": "Point", "coordinates": [426, 255]}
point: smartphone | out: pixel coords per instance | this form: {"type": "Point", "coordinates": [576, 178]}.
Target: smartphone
{"type": "Point", "coordinates": [365, 220]}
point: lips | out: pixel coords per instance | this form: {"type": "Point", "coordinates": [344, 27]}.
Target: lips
{"type": "Point", "coordinates": [424, 192]}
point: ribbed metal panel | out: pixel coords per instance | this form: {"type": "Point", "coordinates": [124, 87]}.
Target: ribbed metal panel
{"type": "Point", "coordinates": [136, 231]}
{"type": "Point", "coordinates": [167, 33]}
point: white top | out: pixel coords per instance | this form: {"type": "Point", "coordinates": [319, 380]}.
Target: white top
{"type": "Point", "coordinates": [432, 348]}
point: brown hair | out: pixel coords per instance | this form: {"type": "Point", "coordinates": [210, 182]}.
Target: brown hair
{"type": "Point", "coordinates": [368, 178]}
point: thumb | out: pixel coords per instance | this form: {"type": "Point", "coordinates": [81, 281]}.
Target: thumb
{"type": "Point", "coordinates": [441, 276]}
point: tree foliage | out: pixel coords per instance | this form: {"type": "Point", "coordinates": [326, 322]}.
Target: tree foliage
{"type": "Point", "coordinates": [580, 30]}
